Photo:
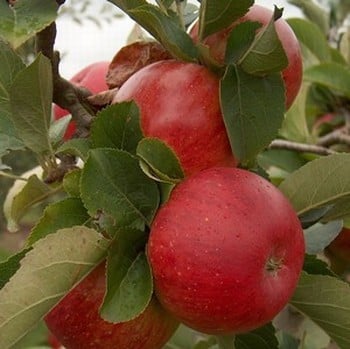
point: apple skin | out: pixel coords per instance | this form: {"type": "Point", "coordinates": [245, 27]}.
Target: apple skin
{"type": "Point", "coordinates": [53, 342]}
{"type": "Point", "coordinates": [76, 323]}
{"type": "Point", "coordinates": [340, 246]}
{"type": "Point", "coordinates": [226, 251]}
{"type": "Point", "coordinates": [179, 103]}
{"type": "Point", "coordinates": [92, 77]}
{"type": "Point", "coordinates": [292, 74]}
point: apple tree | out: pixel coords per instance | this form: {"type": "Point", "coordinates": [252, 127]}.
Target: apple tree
{"type": "Point", "coordinates": [194, 192]}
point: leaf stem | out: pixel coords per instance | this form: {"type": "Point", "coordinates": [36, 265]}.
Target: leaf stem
{"type": "Point", "coordinates": [179, 10]}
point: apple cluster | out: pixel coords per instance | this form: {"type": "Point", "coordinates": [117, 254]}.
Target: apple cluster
{"type": "Point", "coordinates": [226, 249]}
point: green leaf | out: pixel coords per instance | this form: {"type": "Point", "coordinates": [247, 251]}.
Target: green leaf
{"type": "Point", "coordinates": [71, 182]}
{"type": "Point", "coordinates": [58, 128]}
{"type": "Point", "coordinates": [226, 341]}
{"type": "Point", "coordinates": [240, 40]}
{"type": "Point", "coordinates": [321, 182]}
{"type": "Point", "coordinates": [11, 64]}
{"type": "Point", "coordinates": [326, 301]}
{"type": "Point", "coordinates": [313, 265]}
{"type": "Point", "coordinates": [10, 266]}
{"type": "Point", "coordinates": [161, 160]}
{"type": "Point", "coordinates": [44, 278]}
{"type": "Point", "coordinates": [129, 278]}
{"type": "Point", "coordinates": [216, 15]}
{"type": "Point", "coordinates": [311, 37]}
{"type": "Point", "coordinates": [117, 126]}
{"type": "Point", "coordinates": [294, 127]}
{"type": "Point", "coordinates": [266, 54]}
{"type": "Point", "coordinates": [314, 13]}
{"type": "Point", "coordinates": [33, 192]}
{"type": "Point", "coordinates": [251, 126]}
{"type": "Point", "coordinates": [319, 236]}
{"type": "Point", "coordinates": [112, 182]}
{"type": "Point", "coordinates": [332, 75]}
{"type": "Point", "coordinates": [25, 18]}
{"type": "Point", "coordinates": [287, 341]}
{"type": "Point", "coordinates": [261, 338]}
{"type": "Point", "coordinates": [166, 29]}
{"type": "Point", "coordinates": [31, 99]}
{"type": "Point", "coordinates": [78, 147]}
{"type": "Point", "coordinates": [62, 214]}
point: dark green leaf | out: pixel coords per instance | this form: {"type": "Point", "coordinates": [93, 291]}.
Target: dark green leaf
{"type": "Point", "coordinates": [320, 183]}
{"type": "Point", "coordinates": [240, 40]}
{"type": "Point", "coordinates": [251, 126]}
{"type": "Point", "coordinates": [112, 182]}
{"type": "Point", "coordinates": [266, 54]}
{"type": "Point", "coordinates": [129, 278]}
{"type": "Point", "coordinates": [31, 100]}
{"type": "Point", "coordinates": [165, 3]}
{"type": "Point", "coordinates": [33, 192]}
{"type": "Point", "coordinates": [62, 214]}
{"type": "Point", "coordinates": [313, 265]}
{"type": "Point", "coordinates": [166, 29]}
{"type": "Point", "coordinates": [313, 216]}
{"type": "Point", "coordinates": [10, 266]}
{"type": "Point", "coordinates": [332, 75]}
{"type": "Point", "coordinates": [25, 18]}
{"type": "Point", "coordinates": [319, 236]}
{"type": "Point", "coordinates": [117, 126]}
{"type": "Point", "coordinates": [161, 160]}
{"type": "Point", "coordinates": [11, 64]}
{"type": "Point", "coordinates": [326, 301]}
{"type": "Point", "coordinates": [216, 15]}
{"type": "Point", "coordinates": [78, 147]}
{"type": "Point", "coordinates": [311, 36]}
{"type": "Point", "coordinates": [261, 338]}
{"type": "Point", "coordinates": [71, 182]}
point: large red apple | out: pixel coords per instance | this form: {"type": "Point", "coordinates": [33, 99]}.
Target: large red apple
{"type": "Point", "coordinates": [226, 251]}
{"type": "Point", "coordinates": [92, 77]}
{"type": "Point", "coordinates": [76, 323]}
{"type": "Point", "coordinates": [179, 103]}
{"type": "Point", "coordinates": [292, 74]}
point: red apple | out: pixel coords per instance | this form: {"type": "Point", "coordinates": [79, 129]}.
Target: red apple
{"type": "Point", "coordinates": [340, 246]}
{"type": "Point", "coordinates": [226, 251]}
{"type": "Point", "coordinates": [76, 323]}
{"type": "Point", "coordinates": [92, 77]}
{"type": "Point", "coordinates": [292, 75]}
{"type": "Point", "coordinates": [179, 103]}
{"type": "Point", "coordinates": [53, 342]}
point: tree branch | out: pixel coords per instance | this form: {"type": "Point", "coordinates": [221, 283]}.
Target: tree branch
{"type": "Point", "coordinates": [67, 95]}
{"type": "Point", "coordinates": [339, 136]}
{"type": "Point", "coordinates": [300, 147]}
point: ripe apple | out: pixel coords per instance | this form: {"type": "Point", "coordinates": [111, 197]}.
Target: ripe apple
{"type": "Point", "coordinates": [92, 77]}
{"type": "Point", "coordinates": [292, 74]}
{"type": "Point", "coordinates": [226, 251]}
{"type": "Point", "coordinates": [53, 342]}
{"type": "Point", "coordinates": [179, 103]}
{"type": "Point", "coordinates": [76, 323]}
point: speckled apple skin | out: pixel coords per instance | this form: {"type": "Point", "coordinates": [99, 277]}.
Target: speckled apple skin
{"type": "Point", "coordinates": [209, 249]}
{"type": "Point", "coordinates": [179, 103]}
{"type": "Point", "coordinates": [75, 321]}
